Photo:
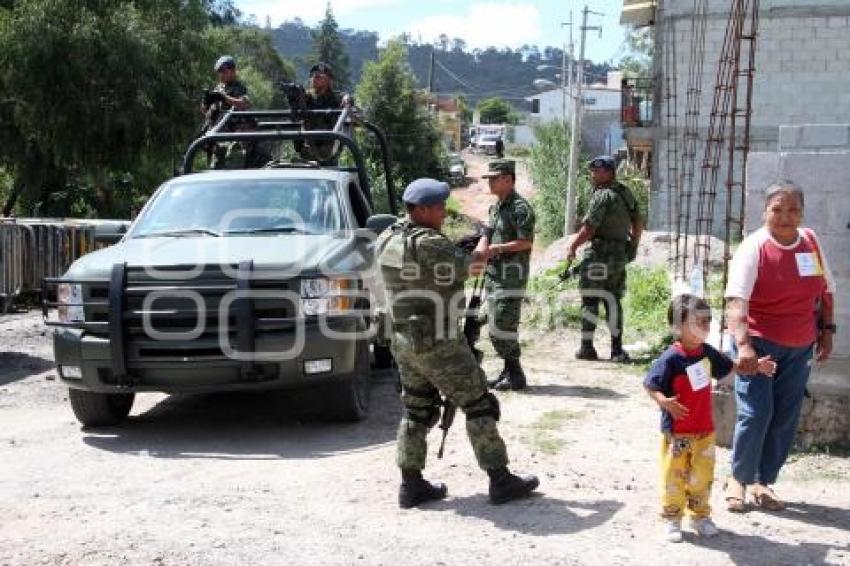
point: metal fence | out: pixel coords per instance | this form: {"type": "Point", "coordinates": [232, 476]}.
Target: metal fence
{"type": "Point", "coordinates": [32, 249]}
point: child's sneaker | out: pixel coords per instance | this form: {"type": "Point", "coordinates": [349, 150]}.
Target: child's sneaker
{"type": "Point", "coordinates": [673, 530]}
{"type": "Point", "coordinates": [705, 527]}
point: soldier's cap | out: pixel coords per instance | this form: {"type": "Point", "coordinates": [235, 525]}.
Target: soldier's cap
{"type": "Point", "coordinates": [426, 192]}
{"type": "Point", "coordinates": [225, 61]}
{"type": "Point", "coordinates": [604, 162]}
{"type": "Point", "coordinates": [322, 69]}
{"type": "Point", "coordinates": [500, 167]}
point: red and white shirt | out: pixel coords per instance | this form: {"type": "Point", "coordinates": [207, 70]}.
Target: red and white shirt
{"type": "Point", "coordinates": [782, 285]}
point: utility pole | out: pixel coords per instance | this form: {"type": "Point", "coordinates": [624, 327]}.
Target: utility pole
{"type": "Point", "coordinates": [567, 72]}
{"type": "Point", "coordinates": [431, 72]}
{"type": "Point", "coordinates": [575, 132]}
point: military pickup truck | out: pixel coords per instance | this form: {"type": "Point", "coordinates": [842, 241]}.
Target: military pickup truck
{"type": "Point", "coordinates": [244, 279]}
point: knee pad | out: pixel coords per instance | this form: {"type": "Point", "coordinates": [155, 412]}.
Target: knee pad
{"type": "Point", "coordinates": [427, 416]}
{"type": "Point", "coordinates": [489, 408]}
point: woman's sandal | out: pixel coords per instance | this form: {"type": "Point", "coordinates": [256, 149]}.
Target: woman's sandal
{"type": "Point", "coordinates": [766, 498]}
{"type": "Point", "coordinates": [735, 494]}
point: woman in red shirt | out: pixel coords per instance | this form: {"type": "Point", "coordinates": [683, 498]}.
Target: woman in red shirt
{"type": "Point", "coordinates": [780, 295]}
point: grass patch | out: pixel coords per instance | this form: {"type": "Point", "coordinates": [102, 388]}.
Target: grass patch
{"type": "Point", "coordinates": [547, 308]}
{"type": "Point", "coordinates": [457, 224]}
{"type": "Point", "coordinates": [542, 435]}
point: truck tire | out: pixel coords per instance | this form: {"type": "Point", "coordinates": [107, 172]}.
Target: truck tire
{"type": "Point", "coordinates": [383, 357]}
{"type": "Point", "coordinates": [349, 400]}
{"type": "Point", "coordinates": [100, 409]}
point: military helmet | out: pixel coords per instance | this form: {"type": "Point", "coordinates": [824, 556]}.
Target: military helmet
{"type": "Point", "coordinates": [322, 69]}
{"type": "Point", "coordinates": [225, 61]}
{"type": "Point", "coordinates": [604, 162]}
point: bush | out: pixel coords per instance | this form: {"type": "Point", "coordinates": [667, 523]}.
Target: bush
{"type": "Point", "coordinates": [646, 302]}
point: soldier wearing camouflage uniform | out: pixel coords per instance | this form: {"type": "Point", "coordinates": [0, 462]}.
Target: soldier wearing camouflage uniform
{"type": "Point", "coordinates": [613, 225]}
{"type": "Point", "coordinates": [509, 240]}
{"type": "Point", "coordinates": [423, 274]}
{"type": "Point", "coordinates": [234, 95]}
{"type": "Point", "coordinates": [321, 96]}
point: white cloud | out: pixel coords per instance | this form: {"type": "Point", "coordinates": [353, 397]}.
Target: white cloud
{"type": "Point", "coordinates": [485, 24]}
{"type": "Point", "coordinates": [310, 11]}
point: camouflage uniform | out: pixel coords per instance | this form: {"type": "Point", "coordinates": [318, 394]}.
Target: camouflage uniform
{"type": "Point", "coordinates": [230, 155]}
{"type": "Point", "coordinates": [423, 274]}
{"type": "Point", "coordinates": [611, 212]}
{"type": "Point", "coordinates": [325, 152]}
{"type": "Point", "coordinates": [507, 274]}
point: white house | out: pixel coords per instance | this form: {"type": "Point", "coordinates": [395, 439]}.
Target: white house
{"type": "Point", "coordinates": [601, 130]}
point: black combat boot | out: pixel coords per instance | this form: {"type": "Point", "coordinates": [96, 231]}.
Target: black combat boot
{"type": "Point", "coordinates": [502, 378]}
{"type": "Point", "coordinates": [587, 351]}
{"type": "Point", "coordinates": [618, 355]}
{"type": "Point", "coordinates": [416, 490]}
{"type": "Point", "coordinates": [516, 377]}
{"type": "Point", "coordinates": [505, 486]}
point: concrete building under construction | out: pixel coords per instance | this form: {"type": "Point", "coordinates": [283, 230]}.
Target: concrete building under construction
{"type": "Point", "coordinates": [801, 65]}
{"type": "Point", "coordinates": [745, 93]}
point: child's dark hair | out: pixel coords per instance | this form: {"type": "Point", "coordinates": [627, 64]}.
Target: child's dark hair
{"type": "Point", "coordinates": [684, 307]}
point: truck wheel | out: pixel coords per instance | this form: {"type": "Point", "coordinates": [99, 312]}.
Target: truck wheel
{"type": "Point", "coordinates": [383, 357]}
{"type": "Point", "coordinates": [100, 409]}
{"type": "Point", "coordinates": [349, 400]}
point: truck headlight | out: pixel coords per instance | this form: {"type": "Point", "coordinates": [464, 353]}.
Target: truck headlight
{"type": "Point", "coordinates": [323, 296]}
{"type": "Point", "coordinates": [70, 299]}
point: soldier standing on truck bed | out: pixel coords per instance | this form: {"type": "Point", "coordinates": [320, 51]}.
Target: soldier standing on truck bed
{"type": "Point", "coordinates": [229, 93]}
{"type": "Point", "coordinates": [423, 274]}
{"type": "Point", "coordinates": [613, 225]}
{"type": "Point", "coordinates": [322, 96]}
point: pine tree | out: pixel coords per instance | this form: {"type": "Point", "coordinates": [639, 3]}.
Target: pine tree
{"type": "Point", "coordinates": [329, 48]}
{"type": "Point", "coordinates": [387, 93]}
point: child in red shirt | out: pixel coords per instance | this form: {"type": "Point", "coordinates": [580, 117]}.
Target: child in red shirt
{"type": "Point", "coordinates": [680, 382]}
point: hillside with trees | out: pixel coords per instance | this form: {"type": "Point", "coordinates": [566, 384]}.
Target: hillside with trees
{"type": "Point", "coordinates": [475, 73]}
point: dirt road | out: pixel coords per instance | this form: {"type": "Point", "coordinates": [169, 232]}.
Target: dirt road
{"type": "Point", "coordinates": [234, 480]}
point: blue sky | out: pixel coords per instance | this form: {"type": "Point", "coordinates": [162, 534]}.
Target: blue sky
{"type": "Point", "coordinates": [480, 23]}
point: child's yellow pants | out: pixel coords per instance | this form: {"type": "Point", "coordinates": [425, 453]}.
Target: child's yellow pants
{"type": "Point", "coordinates": [687, 472]}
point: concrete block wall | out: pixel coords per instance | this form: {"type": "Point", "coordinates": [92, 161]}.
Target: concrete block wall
{"type": "Point", "coordinates": [802, 65]}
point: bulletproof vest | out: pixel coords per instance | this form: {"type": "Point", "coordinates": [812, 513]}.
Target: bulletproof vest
{"type": "Point", "coordinates": [412, 288]}
{"type": "Point", "coordinates": [618, 222]}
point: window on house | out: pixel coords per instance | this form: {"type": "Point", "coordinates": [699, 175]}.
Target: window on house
{"type": "Point", "coordinates": [535, 106]}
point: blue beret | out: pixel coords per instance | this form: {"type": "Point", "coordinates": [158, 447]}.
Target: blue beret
{"type": "Point", "coordinates": [604, 162]}
{"type": "Point", "coordinates": [225, 60]}
{"type": "Point", "coordinates": [426, 192]}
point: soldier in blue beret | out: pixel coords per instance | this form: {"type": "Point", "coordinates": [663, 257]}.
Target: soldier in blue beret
{"type": "Point", "coordinates": [423, 273]}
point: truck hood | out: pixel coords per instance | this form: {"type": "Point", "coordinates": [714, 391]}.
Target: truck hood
{"type": "Point", "coordinates": [292, 253]}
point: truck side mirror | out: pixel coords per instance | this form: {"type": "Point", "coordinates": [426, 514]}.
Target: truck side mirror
{"type": "Point", "coordinates": [380, 222]}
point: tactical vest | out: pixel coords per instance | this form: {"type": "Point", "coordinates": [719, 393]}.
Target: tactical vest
{"type": "Point", "coordinates": [412, 288]}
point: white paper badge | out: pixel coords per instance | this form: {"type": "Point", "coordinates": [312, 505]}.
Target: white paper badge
{"type": "Point", "coordinates": [698, 375]}
{"type": "Point", "coordinates": [808, 264]}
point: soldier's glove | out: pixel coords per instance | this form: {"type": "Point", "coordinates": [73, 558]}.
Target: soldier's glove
{"type": "Point", "coordinates": [469, 242]}
{"type": "Point", "coordinates": [212, 96]}
{"type": "Point", "coordinates": [295, 94]}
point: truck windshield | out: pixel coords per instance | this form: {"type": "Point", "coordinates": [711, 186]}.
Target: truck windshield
{"type": "Point", "coordinates": [233, 207]}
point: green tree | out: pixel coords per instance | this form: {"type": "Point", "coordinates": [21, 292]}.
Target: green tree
{"type": "Point", "coordinates": [260, 64]}
{"type": "Point", "coordinates": [638, 52]}
{"type": "Point", "coordinates": [389, 98]}
{"type": "Point", "coordinates": [329, 47]}
{"type": "Point", "coordinates": [90, 87]}
{"type": "Point", "coordinates": [496, 111]}
{"type": "Point", "coordinates": [98, 100]}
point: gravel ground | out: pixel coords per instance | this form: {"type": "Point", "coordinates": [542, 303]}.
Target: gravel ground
{"type": "Point", "coordinates": [236, 480]}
